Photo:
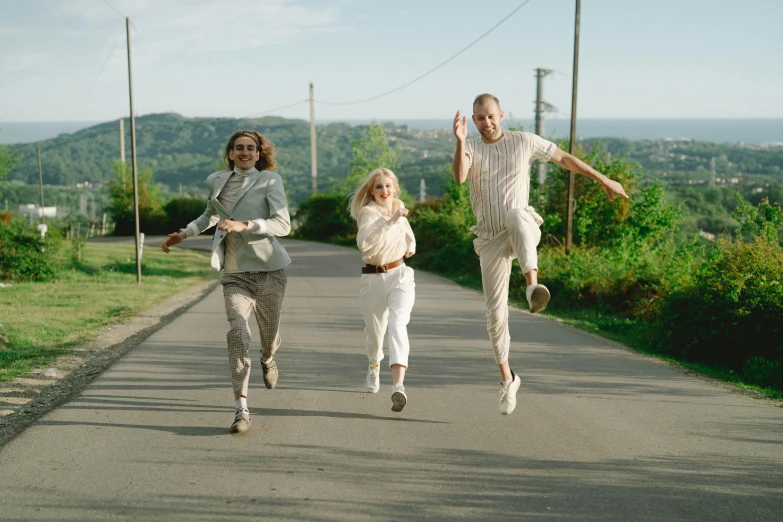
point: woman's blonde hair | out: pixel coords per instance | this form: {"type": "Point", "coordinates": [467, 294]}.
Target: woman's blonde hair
{"type": "Point", "coordinates": [363, 194]}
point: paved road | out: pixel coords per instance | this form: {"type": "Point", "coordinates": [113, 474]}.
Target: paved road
{"type": "Point", "coordinates": [599, 433]}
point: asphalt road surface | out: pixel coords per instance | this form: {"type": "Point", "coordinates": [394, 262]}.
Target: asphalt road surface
{"type": "Point", "coordinates": [599, 433]}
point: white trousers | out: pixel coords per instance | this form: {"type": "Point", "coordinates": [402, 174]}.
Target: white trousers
{"type": "Point", "coordinates": [519, 241]}
{"type": "Point", "coordinates": [387, 300]}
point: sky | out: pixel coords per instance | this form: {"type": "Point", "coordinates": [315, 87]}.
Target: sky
{"type": "Point", "coordinates": [65, 60]}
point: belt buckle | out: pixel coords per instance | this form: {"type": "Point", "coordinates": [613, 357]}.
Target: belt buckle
{"type": "Point", "coordinates": [382, 269]}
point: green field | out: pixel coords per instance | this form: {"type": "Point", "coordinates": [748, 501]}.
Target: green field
{"type": "Point", "coordinates": [42, 321]}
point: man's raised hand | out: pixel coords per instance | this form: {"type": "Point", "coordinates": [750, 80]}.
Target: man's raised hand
{"type": "Point", "coordinates": [460, 127]}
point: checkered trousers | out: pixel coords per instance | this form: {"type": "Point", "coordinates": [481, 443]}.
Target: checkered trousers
{"type": "Point", "coordinates": [261, 293]}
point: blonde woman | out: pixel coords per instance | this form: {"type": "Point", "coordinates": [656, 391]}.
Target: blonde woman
{"type": "Point", "coordinates": [387, 288]}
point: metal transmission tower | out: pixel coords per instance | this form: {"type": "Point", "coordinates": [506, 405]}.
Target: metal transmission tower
{"type": "Point", "coordinates": [542, 107]}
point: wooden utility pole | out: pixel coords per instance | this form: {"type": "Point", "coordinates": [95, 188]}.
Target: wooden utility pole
{"type": "Point", "coordinates": [572, 144]}
{"type": "Point", "coordinates": [133, 156]}
{"type": "Point", "coordinates": [313, 155]}
{"type": "Point", "coordinates": [40, 184]}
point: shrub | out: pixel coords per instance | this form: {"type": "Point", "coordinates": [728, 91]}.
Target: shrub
{"type": "Point", "coordinates": [325, 217]}
{"type": "Point", "coordinates": [733, 310]}
{"type": "Point", "coordinates": [181, 211]}
{"type": "Point", "coordinates": [24, 255]}
{"type": "Point", "coordinates": [443, 239]}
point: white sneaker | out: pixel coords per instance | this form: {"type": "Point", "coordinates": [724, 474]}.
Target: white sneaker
{"type": "Point", "coordinates": [373, 378]}
{"type": "Point", "coordinates": [399, 399]}
{"type": "Point", "coordinates": [508, 394]}
{"type": "Point", "coordinates": [537, 298]}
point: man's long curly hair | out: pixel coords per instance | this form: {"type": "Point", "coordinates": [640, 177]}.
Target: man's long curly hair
{"type": "Point", "coordinates": [267, 159]}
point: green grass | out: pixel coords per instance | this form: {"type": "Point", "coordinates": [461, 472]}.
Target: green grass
{"type": "Point", "coordinates": [42, 321]}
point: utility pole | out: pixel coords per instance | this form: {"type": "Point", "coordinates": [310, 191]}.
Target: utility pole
{"type": "Point", "coordinates": [40, 184]}
{"type": "Point", "coordinates": [541, 108]}
{"type": "Point", "coordinates": [313, 156]}
{"type": "Point", "coordinates": [572, 144]}
{"type": "Point", "coordinates": [133, 155]}
{"type": "Point", "coordinates": [122, 141]}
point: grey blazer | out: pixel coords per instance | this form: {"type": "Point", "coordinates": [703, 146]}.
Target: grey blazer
{"type": "Point", "coordinates": [261, 201]}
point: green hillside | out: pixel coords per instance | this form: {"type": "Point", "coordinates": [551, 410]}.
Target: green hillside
{"type": "Point", "coordinates": [185, 150]}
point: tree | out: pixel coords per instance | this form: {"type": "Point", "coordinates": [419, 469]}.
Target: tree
{"type": "Point", "coordinates": [369, 152]}
{"type": "Point", "coordinates": [7, 160]}
{"type": "Point", "coordinates": [325, 217]}
{"type": "Point", "coordinates": [152, 218]}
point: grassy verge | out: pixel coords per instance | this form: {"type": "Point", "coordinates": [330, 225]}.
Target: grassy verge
{"type": "Point", "coordinates": [42, 321]}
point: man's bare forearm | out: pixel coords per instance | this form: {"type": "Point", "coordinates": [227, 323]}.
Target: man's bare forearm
{"type": "Point", "coordinates": [574, 164]}
{"type": "Point", "coordinates": [459, 167]}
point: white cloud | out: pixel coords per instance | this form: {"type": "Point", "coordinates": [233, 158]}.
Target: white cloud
{"type": "Point", "coordinates": [218, 26]}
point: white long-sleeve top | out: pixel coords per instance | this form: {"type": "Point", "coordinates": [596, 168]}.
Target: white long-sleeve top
{"type": "Point", "coordinates": [380, 242]}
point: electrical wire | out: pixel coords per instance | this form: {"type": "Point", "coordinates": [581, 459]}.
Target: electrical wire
{"type": "Point", "coordinates": [256, 115]}
{"type": "Point", "coordinates": [117, 10]}
{"type": "Point", "coordinates": [474, 42]}
{"type": "Point", "coordinates": [119, 39]}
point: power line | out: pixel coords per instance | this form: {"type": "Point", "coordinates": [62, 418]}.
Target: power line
{"type": "Point", "coordinates": [474, 42]}
{"type": "Point", "coordinates": [115, 9]}
{"type": "Point", "coordinates": [99, 76]}
{"type": "Point", "coordinates": [276, 109]}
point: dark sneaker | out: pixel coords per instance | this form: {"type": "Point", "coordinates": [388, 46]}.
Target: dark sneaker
{"type": "Point", "coordinates": [270, 373]}
{"type": "Point", "coordinates": [537, 298]}
{"type": "Point", "coordinates": [241, 421]}
{"type": "Point", "coordinates": [399, 399]}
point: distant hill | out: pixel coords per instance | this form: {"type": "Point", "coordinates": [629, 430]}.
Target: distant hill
{"type": "Point", "coordinates": [185, 150]}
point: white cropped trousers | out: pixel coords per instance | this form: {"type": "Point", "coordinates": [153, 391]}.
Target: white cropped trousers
{"type": "Point", "coordinates": [387, 300]}
{"type": "Point", "coordinates": [519, 241]}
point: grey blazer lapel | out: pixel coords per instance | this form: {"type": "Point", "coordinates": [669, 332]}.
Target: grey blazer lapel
{"type": "Point", "coordinates": [220, 182]}
{"type": "Point", "coordinates": [254, 177]}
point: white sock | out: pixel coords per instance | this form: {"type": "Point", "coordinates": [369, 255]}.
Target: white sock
{"type": "Point", "coordinates": [242, 403]}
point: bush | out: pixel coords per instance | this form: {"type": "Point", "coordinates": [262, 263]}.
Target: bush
{"type": "Point", "coordinates": [733, 310]}
{"type": "Point", "coordinates": [24, 255]}
{"type": "Point", "coordinates": [325, 217]}
{"type": "Point", "coordinates": [630, 281]}
{"type": "Point", "coordinates": [181, 211]}
{"type": "Point", "coordinates": [443, 239]}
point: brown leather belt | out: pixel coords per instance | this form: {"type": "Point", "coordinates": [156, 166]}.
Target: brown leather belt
{"type": "Point", "coordinates": [381, 269]}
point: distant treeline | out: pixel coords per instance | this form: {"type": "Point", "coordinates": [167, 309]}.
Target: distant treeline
{"type": "Point", "coordinates": [185, 150]}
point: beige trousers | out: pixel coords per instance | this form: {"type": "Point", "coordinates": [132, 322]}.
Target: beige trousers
{"type": "Point", "coordinates": [519, 241]}
{"type": "Point", "coordinates": [262, 294]}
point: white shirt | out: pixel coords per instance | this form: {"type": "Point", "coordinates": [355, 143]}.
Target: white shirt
{"type": "Point", "coordinates": [380, 242]}
{"type": "Point", "coordinates": [499, 177]}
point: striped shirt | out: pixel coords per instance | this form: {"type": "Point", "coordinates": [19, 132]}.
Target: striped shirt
{"type": "Point", "coordinates": [499, 177]}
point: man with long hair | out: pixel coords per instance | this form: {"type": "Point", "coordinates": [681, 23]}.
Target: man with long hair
{"type": "Point", "coordinates": [248, 204]}
{"type": "Point", "coordinates": [497, 165]}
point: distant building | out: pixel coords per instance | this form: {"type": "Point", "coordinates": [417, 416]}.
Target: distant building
{"type": "Point", "coordinates": [33, 211]}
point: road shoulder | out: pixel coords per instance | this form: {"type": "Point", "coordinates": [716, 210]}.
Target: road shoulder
{"type": "Point", "coordinates": [29, 397]}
